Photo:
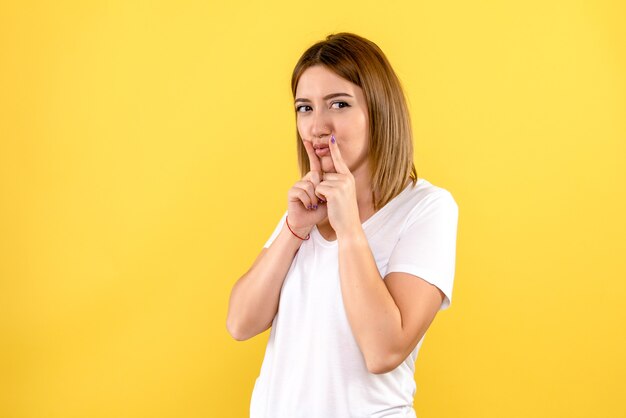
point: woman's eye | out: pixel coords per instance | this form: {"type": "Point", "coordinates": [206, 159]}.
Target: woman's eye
{"type": "Point", "coordinates": [344, 104]}
{"type": "Point", "coordinates": [299, 108]}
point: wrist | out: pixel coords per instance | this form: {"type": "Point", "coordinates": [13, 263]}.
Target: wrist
{"type": "Point", "coordinates": [302, 234]}
{"type": "Point", "coordinates": [354, 234]}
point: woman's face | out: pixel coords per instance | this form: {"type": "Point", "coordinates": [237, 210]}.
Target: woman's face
{"type": "Point", "coordinates": [328, 104]}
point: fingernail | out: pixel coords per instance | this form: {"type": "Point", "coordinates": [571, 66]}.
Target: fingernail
{"type": "Point", "coordinates": [308, 207]}
{"type": "Point", "coordinates": [332, 138]}
{"type": "Point", "coordinates": [314, 206]}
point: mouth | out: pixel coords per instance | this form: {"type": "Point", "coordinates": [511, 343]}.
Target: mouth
{"type": "Point", "coordinates": [322, 152]}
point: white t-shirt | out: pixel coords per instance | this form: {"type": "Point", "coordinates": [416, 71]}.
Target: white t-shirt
{"type": "Point", "coordinates": [313, 367]}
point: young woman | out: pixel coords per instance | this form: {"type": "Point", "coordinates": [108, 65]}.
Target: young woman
{"type": "Point", "coordinates": [362, 259]}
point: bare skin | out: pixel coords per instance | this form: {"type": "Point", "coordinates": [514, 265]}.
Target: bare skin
{"type": "Point", "coordinates": [318, 117]}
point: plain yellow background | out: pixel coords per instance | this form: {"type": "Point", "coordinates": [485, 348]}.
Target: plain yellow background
{"type": "Point", "coordinates": [146, 149]}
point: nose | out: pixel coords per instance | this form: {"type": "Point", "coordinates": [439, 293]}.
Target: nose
{"type": "Point", "coordinates": [320, 124]}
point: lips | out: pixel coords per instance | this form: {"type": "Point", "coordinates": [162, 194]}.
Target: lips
{"type": "Point", "coordinates": [323, 151]}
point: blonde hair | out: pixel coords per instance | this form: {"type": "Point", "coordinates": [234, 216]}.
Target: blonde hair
{"type": "Point", "coordinates": [363, 63]}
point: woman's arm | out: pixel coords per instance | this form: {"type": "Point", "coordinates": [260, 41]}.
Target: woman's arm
{"type": "Point", "coordinates": [387, 319]}
{"type": "Point", "coordinates": [254, 297]}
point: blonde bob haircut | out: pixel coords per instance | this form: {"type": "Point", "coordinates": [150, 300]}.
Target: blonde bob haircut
{"type": "Point", "coordinates": [363, 63]}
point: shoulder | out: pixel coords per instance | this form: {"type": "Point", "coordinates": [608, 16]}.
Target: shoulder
{"type": "Point", "coordinates": [425, 197]}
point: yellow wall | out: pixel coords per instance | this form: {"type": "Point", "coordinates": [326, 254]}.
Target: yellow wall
{"type": "Point", "coordinates": [146, 149]}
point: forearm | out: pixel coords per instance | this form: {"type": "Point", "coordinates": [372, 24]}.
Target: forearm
{"type": "Point", "coordinates": [372, 313]}
{"type": "Point", "coordinates": [255, 296]}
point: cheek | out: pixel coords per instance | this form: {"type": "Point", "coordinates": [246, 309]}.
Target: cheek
{"type": "Point", "coordinates": [301, 126]}
{"type": "Point", "coordinates": [363, 121]}
{"type": "Point", "coordinates": [356, 129]}
{"type": "Point", "coordinates": [356, 124]}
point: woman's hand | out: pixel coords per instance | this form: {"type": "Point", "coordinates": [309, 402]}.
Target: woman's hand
{"type": "Point", "coordinates": [302, 196]}
{"type": "Point", "coordinates": [339, 190]}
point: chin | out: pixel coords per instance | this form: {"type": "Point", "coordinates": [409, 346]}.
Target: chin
{"type": "Point", "coordinates": [329, 168]}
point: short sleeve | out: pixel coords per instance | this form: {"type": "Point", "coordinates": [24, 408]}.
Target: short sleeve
{"type": "Point", "coordinates": [427, 244]}
{"type": "Point", "coordinates": [277, 230]}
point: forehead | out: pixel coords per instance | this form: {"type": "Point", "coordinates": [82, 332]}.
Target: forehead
{"type": "Point", "coordinates": [319, 81]}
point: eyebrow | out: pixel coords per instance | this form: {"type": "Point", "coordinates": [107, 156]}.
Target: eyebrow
{"type": "Point", "coordinates": [329, 96]}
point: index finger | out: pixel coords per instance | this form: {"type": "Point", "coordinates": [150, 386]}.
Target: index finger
{"type": "Point", "coordinates": [335, 153]}
{"type": "Point", "coordinates": [314, 161]}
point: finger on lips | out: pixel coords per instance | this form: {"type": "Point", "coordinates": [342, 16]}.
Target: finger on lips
{"type": "Point", "coordinates": [335, 154]}
{"type": "Point", "coordinates": [315, 175]}
{"type": "Point", "coordinates": [314, 161]}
